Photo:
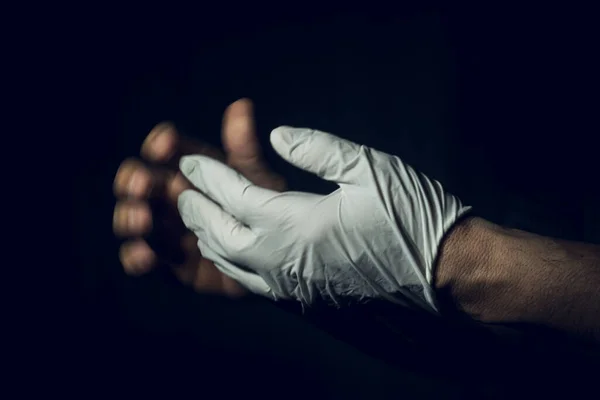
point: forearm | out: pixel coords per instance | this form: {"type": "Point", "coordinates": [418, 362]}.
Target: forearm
{"type": "Point", "coordinates": [496, 274]}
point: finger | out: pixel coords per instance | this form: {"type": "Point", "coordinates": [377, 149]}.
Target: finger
{"type": "Point", "coordinates": [225, 278]}
{"type": "Point", "coordinates": [165, 145]}
{"type": "Point", "coordinates": [143, 210]}
{"type": "Point", "coordinates": [132, 218]}
{"type": "Point", "coordinates": [137, 257]}
{"type": "Point", "coordinates": [166, 185]}
{"type": "Point", "coordinates": [195, 270]}
{"type": "Point", "coordinates": [227, 187]}
{"type": "Point", "coordinates": [328, 156]}
{"type": "Point", "coordinates": [201, 273]}
{"type": "Point", "coordinates": [133, 179]}
{"type": "Point", "coordinates": [239, 135]}
{"type": "Point", "coordinates": [213, 226]}
{"type": "Point", "coordinates": [243, 148]}
{"type": "Point", "coordinates": [250, 280]}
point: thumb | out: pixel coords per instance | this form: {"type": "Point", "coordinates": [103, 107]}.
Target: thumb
{"type": "Point", "coordinates": [328, 156]}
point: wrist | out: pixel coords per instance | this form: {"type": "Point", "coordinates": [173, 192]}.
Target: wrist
{"type": "Point", "coordinates": [499, 275]}
{"type": "Point", "coordinates": [466, 273]}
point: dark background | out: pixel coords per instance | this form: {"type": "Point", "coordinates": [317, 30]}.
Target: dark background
{"type": "Point", "coordinates": [495, 103]}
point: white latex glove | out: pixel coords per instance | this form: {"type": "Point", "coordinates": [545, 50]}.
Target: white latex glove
{"type": "Point", "coordinates": [376, 236]}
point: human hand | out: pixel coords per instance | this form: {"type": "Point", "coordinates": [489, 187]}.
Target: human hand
{"type": "Point", "coordinates": [147, 193]}
{"type": "Point", "coordinates": [376, 236]}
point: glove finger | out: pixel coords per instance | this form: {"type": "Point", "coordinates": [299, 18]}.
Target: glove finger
{"type": "Point", "coordinates": [232, 191]}
{"type": "Point", "coordinates": [328, 156]}
{"type": "Point", "coordinates": [249, 280]}
{"type": "Point", "coordinates": [221, 232]}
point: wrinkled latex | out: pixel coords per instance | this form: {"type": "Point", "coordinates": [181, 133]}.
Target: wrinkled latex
{"type": "Point", "coordinates": [376, 236]}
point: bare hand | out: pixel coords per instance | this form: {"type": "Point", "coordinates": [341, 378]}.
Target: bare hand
{"type": "Point", "coordinates": [145, 186]}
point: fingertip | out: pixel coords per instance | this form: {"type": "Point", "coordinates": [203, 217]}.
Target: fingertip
{"type": "Point", "coordinates": [137, 257]}
{"type": "Point", "coordinates": [161, 144]}
{"type": "Point", "coordinates": [132, 218]}
{"type": "Point", "coordinates": [123, 175]}
{"type": "Point", "coordinates": [239, 136]}
{"type": "Point", "coordinates": [187, 164]}
{"type": "Point", "coordinates": [140, 183]}
{"type": "Point", "coordinates": [281, 139]}
{"type": "Point", "coordinates": [176, 185]}
{"type": "Point", "coordinates": [184, 198]}
{"type": "Point", "coordinates": [241, 106]}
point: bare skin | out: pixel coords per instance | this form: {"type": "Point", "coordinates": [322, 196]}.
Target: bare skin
{"type": "Point", "coordinates": [490, 273]}
{"type": "Point", "coordinates": [156, 177]}
{"type": "Point", "coordinates": [502, 275]}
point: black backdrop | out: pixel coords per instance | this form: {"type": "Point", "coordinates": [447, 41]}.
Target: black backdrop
{"type": "Point", "coordinates": [495, 103]}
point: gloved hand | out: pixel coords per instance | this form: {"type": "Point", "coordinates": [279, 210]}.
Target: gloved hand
{"type": "Point", "coordinates": [376, 236]}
